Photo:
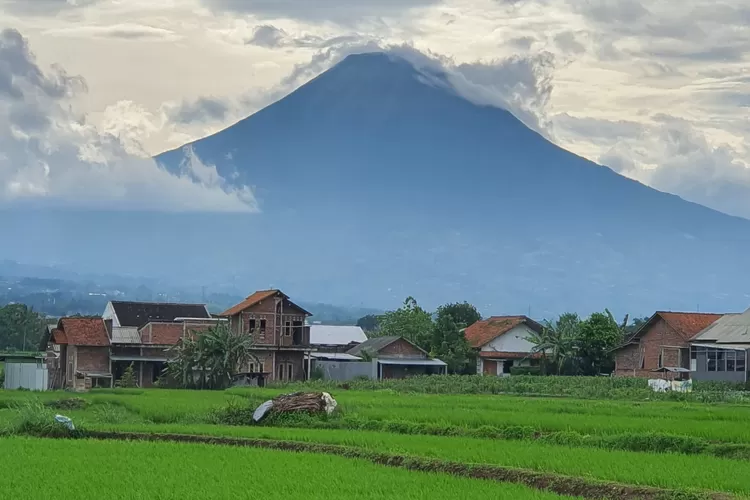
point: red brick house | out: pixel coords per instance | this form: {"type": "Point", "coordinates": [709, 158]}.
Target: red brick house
{"type": "Point", "coordinates": [82, 354]}
{"type": "Point", "coordinates": [502, 343]}
{"type": "Point", "coordinates": [95, 352]}
{"type": "Point", "coordinates": [277, 325]}
{"type": "Point", "coordinates": [661, 342]}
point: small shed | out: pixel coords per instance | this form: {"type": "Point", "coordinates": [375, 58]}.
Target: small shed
{"type": "Point", "coordinates": [25, 371]}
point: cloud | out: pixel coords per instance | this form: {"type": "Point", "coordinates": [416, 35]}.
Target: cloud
{"type": "Point", "coordinates": [201, 109]}
{"type": "Point", "coordinates": [124, 31]}
{"type": "Point", "coordinates": [51, 157]}
{"type": "Point", "coordinates": [271, 37]}
{"type": "Point", "coordinates": [339, 11]}
{"type": "Point", "coordinates": [44, 7]}
{"type": "Point", "coordinates": [673, 156]}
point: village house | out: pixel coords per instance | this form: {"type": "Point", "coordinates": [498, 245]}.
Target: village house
{"type": "Point", "coordinates": [95, 351]}
{"type": "Point", "coordinates": [719, 352]}
{"type": "Point", "coordinates": [502, 343]}
{"type": "Point", "coordinates": [397, 357]}
{"type": "Point", "coordinates": [661, 345]}
{"type": "Point", "coordinates": [281, 338]}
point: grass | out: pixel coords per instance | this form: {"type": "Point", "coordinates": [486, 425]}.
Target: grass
{"type": "Point", "coordinates": [140, 470]}
{"type": "Point", "coordinates": [671, 471]}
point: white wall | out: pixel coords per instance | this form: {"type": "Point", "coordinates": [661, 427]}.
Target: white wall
{"type": "Point", "coordinates": [512, 341]}
{"type": "Point", "coordinates": [109, 313]}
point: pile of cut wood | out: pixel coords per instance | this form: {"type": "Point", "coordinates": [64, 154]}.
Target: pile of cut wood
{"type": "Point", "coordinates": [298, 402]}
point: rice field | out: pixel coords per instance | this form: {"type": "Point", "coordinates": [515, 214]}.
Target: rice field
{"type": "Point", "coordinates": [683, 449]}
{"type": "Point", "coordinates": [140, 470]}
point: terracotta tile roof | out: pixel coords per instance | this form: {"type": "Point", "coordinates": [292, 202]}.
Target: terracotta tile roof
{"type": "Point", "coordinates": [689, 324]}
{"type": "Point", "coordinates": [59, 337]}
{"type": "Point", "coordinates": [484, 331]}
{"type": "Point", "coordinates": [254, 299]}
{"type": "Point", "coordinates": [686, 324]}
{"type": "Point", "coordinates": [84, 331]}
{"type": "Point", "coordinates": [509, 355]}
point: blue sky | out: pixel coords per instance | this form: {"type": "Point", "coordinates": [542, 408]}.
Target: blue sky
{"type": "Point", "coordinates": [656, 92]}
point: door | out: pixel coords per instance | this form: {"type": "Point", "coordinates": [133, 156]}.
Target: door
{"type": "Point", "coordinates": [490, 367]}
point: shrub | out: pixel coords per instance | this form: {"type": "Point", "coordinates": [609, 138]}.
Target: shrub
{"type": "Point", "coordinates": [67, 404]}
{"type": "Point", "coordinates": [37, 419]}
{"type": "Point", "coordinates": [526, 370]}
{"type": "Point", "coordinates": [128, 379]}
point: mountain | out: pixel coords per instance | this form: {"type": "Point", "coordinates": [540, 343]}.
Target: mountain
{"type": "Point", "coordinates": [376, 182]}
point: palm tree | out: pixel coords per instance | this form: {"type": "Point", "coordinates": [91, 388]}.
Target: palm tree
{"type": "Point", "coordinates": [557, 342]}
{"type": "Point", "coordinates": [214, 355]}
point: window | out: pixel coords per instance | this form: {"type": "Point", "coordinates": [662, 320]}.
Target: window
{"type": "Point", "coordinates": [262, 327]}
{"type": "Point", "coordinates": [739, 365]}
{"type": "Point", "coordinates": [280, 371]}
{"type": "Point", "coordinates": [711, 355]}
{"type": "Point", "coordinates": [251, 325]}
{"type": "Point", "coordinates": [721, 360]}
{"type": "Point", "coordinates": [252, 367]}
{"type": "Point", "coordinates": [730, 360]}
{"type": "Point", "coordinates": [290, 372]}
{"type": "Point", "coordinates": [287, 329]}
{"type": "Point", "coordinates": [661, 354]}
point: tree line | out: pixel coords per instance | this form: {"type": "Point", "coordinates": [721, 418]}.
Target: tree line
{"type": "Point", "coordinates": [567, 345]}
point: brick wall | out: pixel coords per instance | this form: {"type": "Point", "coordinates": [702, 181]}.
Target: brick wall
{"type": "Point", "coordinates": [92, 359]}
{"type": "Point", "coordinates": [296, 359]}
{"type": "Point", "coordinates": [273, 334]}
{"type": "Point", "coordinates": [401, 349]}
{"type": "Point", "coordinates": [660, 339]}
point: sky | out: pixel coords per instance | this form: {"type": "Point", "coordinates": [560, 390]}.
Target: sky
{"type": "Point", "coordinates": [89, 89]}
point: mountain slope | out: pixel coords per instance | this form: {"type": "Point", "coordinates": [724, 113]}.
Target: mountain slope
{"type": "Point", "coordinates": [375, 184]}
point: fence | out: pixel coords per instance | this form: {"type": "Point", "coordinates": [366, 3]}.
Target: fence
{"type": "Point", "coordinates": [20, 375]}
{"type": "Point", "coordinates": [346, 370]}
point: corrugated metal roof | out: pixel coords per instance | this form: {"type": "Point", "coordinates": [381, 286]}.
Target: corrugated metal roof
{"type": "Point", "coordinates": [336, 335]}
{"type": "Point", "coordinates": [125, 335]}
{"type": "Point", "coordinates": [335, 356]}
{"type": "Point", "coordinates": [729, 329]}
{"type": "Point", "coordinates": [155, 359]}
{"type": "Point", "coordinates": [738, 347]}
{"type": "Point", "coordinates": [411, 362]}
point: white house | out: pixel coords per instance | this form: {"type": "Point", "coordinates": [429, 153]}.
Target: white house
{"type": "Point", "coordinates": [502, 343]}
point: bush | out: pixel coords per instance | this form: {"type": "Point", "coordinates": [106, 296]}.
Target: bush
{"type": "Point", "coordinates": [37, 419]}
{"type": "Point", "coordinates": [525, 370]}
{"type": "Point", "coordinates": [67, 404]}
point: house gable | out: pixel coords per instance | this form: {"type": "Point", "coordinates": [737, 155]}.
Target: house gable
{"type": "Point", "coordinates": [514, 340]}
{"type": "Point", "coordinates": [485, 331]}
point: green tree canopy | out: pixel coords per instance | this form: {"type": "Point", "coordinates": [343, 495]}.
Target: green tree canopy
{"type": "Point", "coordinates": [21, 328]}
{"type": "Point", "coordinates": [369, 323]}
{"type": "Point", "coordinates": [462, 313]}
{"type": "Point", "coordinates": [448, 342]}
{"type": "Point", "coordinates": [599, 334]}
{"type": "Point", "coordinates": [409, 321]}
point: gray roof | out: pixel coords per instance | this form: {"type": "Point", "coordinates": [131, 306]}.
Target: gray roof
{"type": "Point", "coordinates": [373, 345]}
{"type": "Point", "coordinates": [335, 356]}
{"type": "Point", "coordinates": [729, 329]}
{"type": "Point", "coordinates": [412, 362]}
{"type": "Point", "coordinates": [336, 335]}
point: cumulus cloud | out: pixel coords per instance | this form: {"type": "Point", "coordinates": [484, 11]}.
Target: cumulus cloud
{"type": "Point", "coordinates": [52, 157]}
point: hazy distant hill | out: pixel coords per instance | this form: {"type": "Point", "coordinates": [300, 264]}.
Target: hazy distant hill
{"type": "Point", "coordinates": [375, 185]}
